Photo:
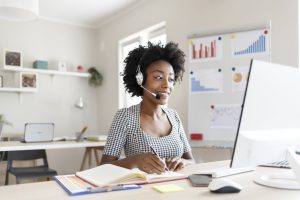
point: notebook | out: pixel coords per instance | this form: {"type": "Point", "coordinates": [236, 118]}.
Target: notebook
{"type": "Point", "coordinates": [109, 174]}
{"type": "Point", "coordinates": [38, 132]}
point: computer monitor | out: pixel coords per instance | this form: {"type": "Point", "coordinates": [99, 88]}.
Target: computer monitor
{"type": "Point", "coordinates": [269, 120]}
{"type": "Point", "coordinates": [270, 116]}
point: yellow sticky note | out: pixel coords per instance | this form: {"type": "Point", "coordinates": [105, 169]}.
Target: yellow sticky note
{"type": "Point", "coordinates": [167, 188]}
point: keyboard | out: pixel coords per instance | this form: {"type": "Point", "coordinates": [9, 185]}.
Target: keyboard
{"type": "Point", "coordinates": [279, 164]}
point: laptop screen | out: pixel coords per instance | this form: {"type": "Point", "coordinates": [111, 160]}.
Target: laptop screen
{"type": "Point", "coordinates": [38, 132]}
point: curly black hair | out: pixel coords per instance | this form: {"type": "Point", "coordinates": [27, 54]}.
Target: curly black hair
{"type": "Point", "coordinates": [144, 56]}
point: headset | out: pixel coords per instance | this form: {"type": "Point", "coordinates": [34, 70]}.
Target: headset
{"type": "Point", "coordinates": [139, 80]}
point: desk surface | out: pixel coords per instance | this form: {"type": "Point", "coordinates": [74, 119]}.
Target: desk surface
{"type": "Point", "coordinates": [19, 146]}
{"type": "Point", "coordinates": [51, 190]}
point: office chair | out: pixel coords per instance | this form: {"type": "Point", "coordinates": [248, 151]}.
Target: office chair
{"type": "Point", "coordinates": [28, 172]}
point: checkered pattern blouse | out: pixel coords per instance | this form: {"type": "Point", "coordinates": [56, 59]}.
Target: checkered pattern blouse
{"type": "Point", "coordinates": [126, 132]}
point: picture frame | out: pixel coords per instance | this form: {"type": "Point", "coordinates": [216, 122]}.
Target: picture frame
{"type": "Point", "coordinates": [12, 58]}
{"type": "Point", "coordinates": [28, 80]}
{"type": "Point", "coordinates": [1, 81]}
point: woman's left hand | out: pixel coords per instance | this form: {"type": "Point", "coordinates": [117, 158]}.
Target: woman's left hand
{"type": "Point", "coordinates": [175, 163]}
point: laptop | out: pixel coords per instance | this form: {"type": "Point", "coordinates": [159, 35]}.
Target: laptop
{"type": "Point", "coordinates": [38, 132]}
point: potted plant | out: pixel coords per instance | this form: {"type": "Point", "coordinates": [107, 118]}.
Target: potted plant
{"type": "Point", "coordinates": [95, 78]}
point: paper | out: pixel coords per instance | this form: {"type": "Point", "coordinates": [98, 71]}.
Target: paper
{"type": "Point", "coordinates": [206, 80]}
{"type": "Point", "coordinates": [167, 188]}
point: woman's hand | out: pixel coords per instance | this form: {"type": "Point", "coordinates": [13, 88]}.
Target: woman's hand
{"type": "Point", "coordinates": [175, 163]}
{"type": "Point", "coordinates": [150, 163]}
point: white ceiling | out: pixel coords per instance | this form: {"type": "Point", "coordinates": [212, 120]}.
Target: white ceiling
{"type": "Point", "coordinates": [87, 13]}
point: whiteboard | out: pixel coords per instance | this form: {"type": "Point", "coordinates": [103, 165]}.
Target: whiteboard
{"type": "Point", "coordinates": [218, 69]}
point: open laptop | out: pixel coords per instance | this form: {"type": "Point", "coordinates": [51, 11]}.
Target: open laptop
{"type": "Point", "coordinates": [38, 132]}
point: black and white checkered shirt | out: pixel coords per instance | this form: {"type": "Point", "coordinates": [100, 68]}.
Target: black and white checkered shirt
{"type": "Point", "coordinates": [126, 132]}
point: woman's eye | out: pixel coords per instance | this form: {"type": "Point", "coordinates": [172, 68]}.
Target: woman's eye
{"type": "Point", "coordinates": [158, 77]}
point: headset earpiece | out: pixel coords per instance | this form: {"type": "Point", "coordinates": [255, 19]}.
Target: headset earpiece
{"type": "Point", "coordinates": [139, 76]}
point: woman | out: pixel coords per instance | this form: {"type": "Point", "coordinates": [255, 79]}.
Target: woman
{"type": "Point", "coordinates": [151, 135]}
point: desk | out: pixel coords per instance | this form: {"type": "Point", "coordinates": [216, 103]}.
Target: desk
{"type": "Point", "coordinates": [51, 190]}
{"type": "Point", "coordinates": [89, 145]}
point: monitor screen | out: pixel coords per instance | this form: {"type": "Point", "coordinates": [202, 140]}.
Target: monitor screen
{"type": "Point", "coordinates": [270, 116]}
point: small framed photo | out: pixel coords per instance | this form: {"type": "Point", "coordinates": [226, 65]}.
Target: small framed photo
{"type": "Point", "coordinates": [28, 80]}
{"type": "Point", "coordinates": [12, 58]}
{"type": "Point", "coordinates": [1, 81]}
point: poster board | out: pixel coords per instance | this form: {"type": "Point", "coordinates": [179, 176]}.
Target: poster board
{"type": "Point", "coordinates": [218, 67]}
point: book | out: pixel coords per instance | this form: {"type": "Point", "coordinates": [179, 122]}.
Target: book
{"type": "Point", "coordinates": [96, 138]}
{"type": "Point", "coordinates": [74, 185]}
{"type": "Point", "coordinates": [109, 174]}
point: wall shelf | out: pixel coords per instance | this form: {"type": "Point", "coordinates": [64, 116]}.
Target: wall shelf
{"type": "Point", "coordinates": [18, 90]}
{"type": "Point", "coordinates": [45, 71]}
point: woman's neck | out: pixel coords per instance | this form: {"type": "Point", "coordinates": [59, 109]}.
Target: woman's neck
{"type": "Point", "coordinates": [151, 110]}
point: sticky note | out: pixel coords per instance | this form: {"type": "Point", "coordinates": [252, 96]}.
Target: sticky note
{"type": "Point", "coordinates": [167, 188]}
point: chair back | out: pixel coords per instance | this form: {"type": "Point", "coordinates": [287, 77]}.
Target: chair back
{"type": "Point", "coordinates": [26, 155]}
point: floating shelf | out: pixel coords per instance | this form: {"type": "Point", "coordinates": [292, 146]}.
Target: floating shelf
{"type": "Point", "coordinates": [45, 71]}
{"type": "Point", "coordinates": [11, 89]}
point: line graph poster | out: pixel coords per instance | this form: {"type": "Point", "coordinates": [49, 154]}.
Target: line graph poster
{"type": "Point", "coordinates": [205, 49]}
{"type": "Point", "coordinates": [225, 116]}
{"type": "Point", "coordinates": [250, 43]}
{"type": "Point", "coordinates": [239, 78]}
{"type": "Point", "coordinates": [206, 80]}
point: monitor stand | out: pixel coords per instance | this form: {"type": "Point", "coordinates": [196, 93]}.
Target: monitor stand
{"type": "Point", "coordinates": [291, 181]}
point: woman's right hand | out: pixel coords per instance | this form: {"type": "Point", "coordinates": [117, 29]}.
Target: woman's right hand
{"type": "Point", "coordinates": [149, 163]}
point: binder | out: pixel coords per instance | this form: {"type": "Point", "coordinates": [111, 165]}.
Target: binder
{"type": "Point", "coordinates": [73, 185]}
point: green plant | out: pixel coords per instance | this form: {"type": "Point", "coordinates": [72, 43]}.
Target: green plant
{"type": "Point", "coordinates": [95, 78]}
{"type": "Point", "coordinates": [3, 120]}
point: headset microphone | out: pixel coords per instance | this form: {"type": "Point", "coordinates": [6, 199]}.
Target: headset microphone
{"type": "Point", "coordinates": [139, 79]}
{"type": "Point", "coordinates": [157, 96]}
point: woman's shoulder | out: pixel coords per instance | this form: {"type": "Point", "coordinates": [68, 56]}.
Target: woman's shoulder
{"type": "Point", "coordinates": [128, 111]}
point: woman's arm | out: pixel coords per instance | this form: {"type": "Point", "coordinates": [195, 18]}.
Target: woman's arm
{"type": "Point", "coordinates": [146, 162]}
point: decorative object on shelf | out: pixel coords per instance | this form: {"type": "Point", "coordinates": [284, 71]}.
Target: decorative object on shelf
{"type": "Point", "coordinates": [40, 64]}
{"type": "Point", "coordinates": [19, 10]}
{"type": "Point", "coordinates": [28, 80]}
{"type": "Point", "coordinates": [12, 58]}
{"type": "Point", "coordinates": [95, 78]}
{"type": "Point", "coordinates": [3, 122]}
{"type": "Point", "coordinates": [80, 68]}
{"type": "Point", "coordinates": [1, 81]}
{"type": "Point", "coordinates": [79, 103]}
{"type": "Point", "coordinates": [62, 66]}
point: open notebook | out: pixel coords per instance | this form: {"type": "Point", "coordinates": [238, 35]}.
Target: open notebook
{"type": "Point", "coordinates": [109, 174]}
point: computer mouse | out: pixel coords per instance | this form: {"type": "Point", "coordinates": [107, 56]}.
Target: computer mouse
{"type": "Point", "coordinates": [224, 186]}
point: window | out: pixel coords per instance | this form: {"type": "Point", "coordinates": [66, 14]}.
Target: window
{"type": "Point", "coordinates": [154, 34]}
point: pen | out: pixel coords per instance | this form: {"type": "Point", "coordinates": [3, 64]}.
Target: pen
{"type": "Point", "coordinates": [154, 152]}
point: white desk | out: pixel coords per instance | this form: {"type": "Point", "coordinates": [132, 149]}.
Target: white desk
{"type": "Point", "coordinates": [51, 190]}
{"type": "Point", "coordinates": [89, 145]}
{"type": "Point", "coordinates": [20, 146]}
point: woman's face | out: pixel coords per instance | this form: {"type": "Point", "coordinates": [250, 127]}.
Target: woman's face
{"type": "Point", "coordinates": [160, 80]}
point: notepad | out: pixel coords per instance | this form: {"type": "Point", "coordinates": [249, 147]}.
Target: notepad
{"type": "Point", "coordinates": [109, 174]}
{"type": "Point", "coordinates": [167, 188]}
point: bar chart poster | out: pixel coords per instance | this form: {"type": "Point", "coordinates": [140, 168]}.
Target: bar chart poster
{"type": "Point", "coordinates": [239, 78]}
{"type": "Point", "coordinates": [205, 49]}
{"type": "Point", "coordinates": [206, 80]}
{"type": "Point", "coordinates": [250, 43]}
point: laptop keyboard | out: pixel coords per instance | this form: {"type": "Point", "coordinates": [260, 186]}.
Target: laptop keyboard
{"type": "Point", "coordinates": [279, 164]}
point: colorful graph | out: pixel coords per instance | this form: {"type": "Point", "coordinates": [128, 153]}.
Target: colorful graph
{"type": "Point", "coordinates": [206, 80]}
{"type": "Point", "coordinates": [225, 116]}
{"type": "Point", "coordinates": [250, 43]}
{"type": "Point", "coordinates": [207, 48]}
{"type": "Point", "coordinates": [239, 78]}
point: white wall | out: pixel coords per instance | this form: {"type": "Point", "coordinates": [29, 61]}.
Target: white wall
{"type": "Point", "coordinates": [184, 17]}
{"type": "Point", "coordinates": [52, 103]}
